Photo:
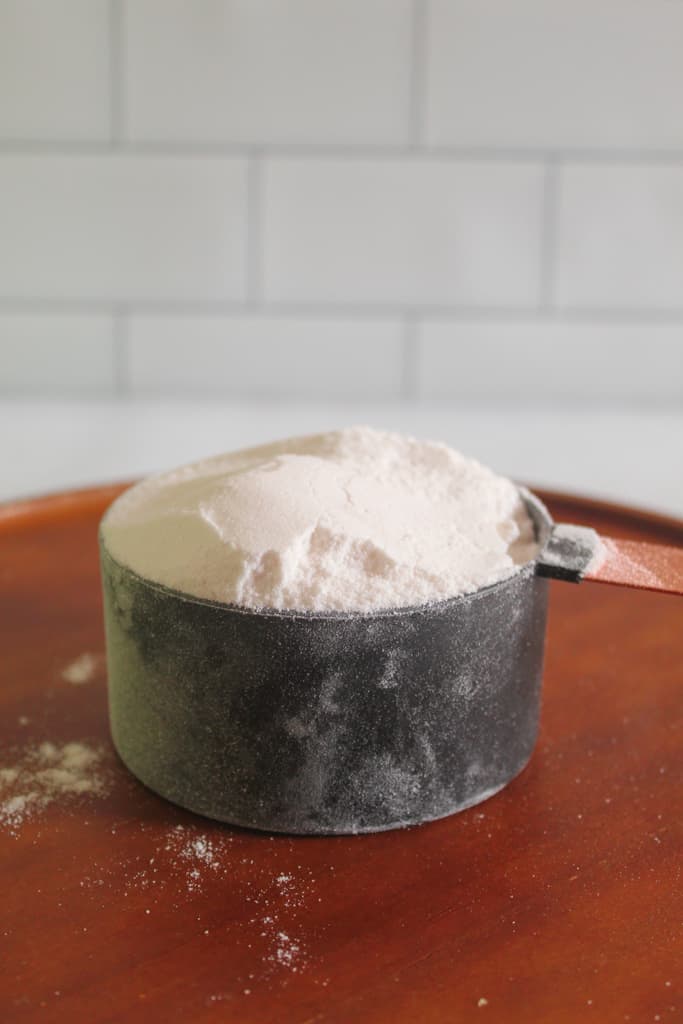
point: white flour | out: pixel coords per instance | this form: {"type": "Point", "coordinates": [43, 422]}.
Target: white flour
{"type": "Point", "coordinates": [187, 863]}
{"type": "Point", "coordinates": [353, 520]}
{"type": "Point", "coordinates": [83, 669]}
{"type": "Point", "coordinates": [45, 773]}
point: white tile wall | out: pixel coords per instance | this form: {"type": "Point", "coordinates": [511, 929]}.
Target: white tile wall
{"type": "Point", "coordinates": [265, 356]}
{"type": "Point", "coordinates": [620, 236]}
{"type": "Point", "coordinates": [268, 71]}
{"type": "Point", "coordinates": [540, 362]}
{"type": "Point", "coordinates": [617, 454]}
{"type": "Point", "coordinates": [436, 198]}
{"type": "Point", "coordinates": [122, 228]}
{"type": "Point", "coordinates": [56, 354]}
{"type": "Point", "coordinates": [402, 232]}
{"type": "Point", "coordinates": [539, 73]}
{"type": "Point", "coordinates": [54, 69]}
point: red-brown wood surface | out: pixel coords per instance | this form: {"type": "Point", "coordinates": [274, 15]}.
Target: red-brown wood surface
{"type": "Point", "coordinates": [558, 900]}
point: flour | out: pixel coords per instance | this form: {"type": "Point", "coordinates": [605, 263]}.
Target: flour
{"type": "Point", "coordinates": [353, 520]}
{"type": "Point", "coordinates": [621, 562]}
{"type": "Point", "coordinates": [195, 853]}
{"type": "Point", "coordinates": [184, 863]}
{"type": "Point", "coordinates": [43, 774]}
{"type": "Point", "coordinates": [83, 669]}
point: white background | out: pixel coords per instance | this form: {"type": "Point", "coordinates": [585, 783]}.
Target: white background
{"type": "Point", "coordinates": [227, 220]}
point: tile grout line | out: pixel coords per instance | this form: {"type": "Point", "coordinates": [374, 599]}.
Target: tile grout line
{"type": "Point", "coordinates": [409, 358]}
{"type": "Point", "coordinates": [116, 73]}
{"type": "Point", "coordinates": [548, 242]}
{"type": "Point", "coordinates": [417, 73]}
{"type": "Point", "coordinates": [672, 316]}
{"type": "Point", "coordinates": [254, 233]}
{"type": "Point", "coordinates": [121, 353]}
{"type": "Point", "coordinates": [349, 152]}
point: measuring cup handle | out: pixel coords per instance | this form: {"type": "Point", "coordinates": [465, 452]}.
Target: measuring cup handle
{"type": "Point", "coordinates": [568, 552]}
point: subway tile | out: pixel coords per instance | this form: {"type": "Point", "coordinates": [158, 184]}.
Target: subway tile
{"type": "Point", "coordinates": [56, 354]}
{"type": "Point", "coordinates": [267, 71]}
{"type": "Point", "coordinates": [265, 355]}
{"type": "Point", "coordinates": [540, 361]}
{"type": "Point", "coordinates": [602, 73]}
{"type": "Point", "coordinates": [54, 70]}
{"type": "Point", "coordinates": [619, 237]}
{"type": "Point", "coordinates": [402, 232]}
{"type": "Point", "coordinates": [120, 227]}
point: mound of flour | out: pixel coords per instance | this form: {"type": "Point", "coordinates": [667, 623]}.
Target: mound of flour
{"type": "Point", "coordinates": [354, 519]}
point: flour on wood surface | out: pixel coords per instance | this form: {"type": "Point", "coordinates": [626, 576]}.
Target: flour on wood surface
{"type": "Point", "coordinates": [47, 772]}
{"type": "Point", "coordinates": [185, 863]}
{"type": "Point", "coordinates": [82, 669]}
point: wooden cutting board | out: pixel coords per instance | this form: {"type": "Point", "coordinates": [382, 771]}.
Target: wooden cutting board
{"type": "Point", "coordinates": [560, 899]}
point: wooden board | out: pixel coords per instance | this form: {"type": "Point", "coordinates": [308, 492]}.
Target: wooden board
{"type": "Point", "coordinates": [558, 900]}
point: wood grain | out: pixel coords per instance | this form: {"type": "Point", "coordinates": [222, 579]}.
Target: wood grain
{"type": "Point", "coordinates": [558, 900]}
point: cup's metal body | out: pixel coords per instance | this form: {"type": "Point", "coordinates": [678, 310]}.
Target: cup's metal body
{"type": "Point", "coordinates": [325, 723]}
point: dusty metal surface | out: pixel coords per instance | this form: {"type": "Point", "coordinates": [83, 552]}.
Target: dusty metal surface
{"type": "Point", "coordinates": [324, 723]}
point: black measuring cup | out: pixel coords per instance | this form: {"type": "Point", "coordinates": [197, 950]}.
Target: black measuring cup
{"type": "Point", "coordinates": [323, 723]}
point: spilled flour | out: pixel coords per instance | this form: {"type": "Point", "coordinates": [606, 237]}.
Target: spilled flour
{"type": "Point", "coordinates": [47, 772]}
{"type": "Point", "coordinates": [285, 949]}
{"type": "Point", "coordinates": [194, 854]}
{"type": "Point", "coordinates": [82, 669]}
{"type": "Point", "coordinates": [189, 869]}
{"type": "Point", "coordinates": [185, 864]}
{"type": "Point", "coordinates": [183, 860]}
